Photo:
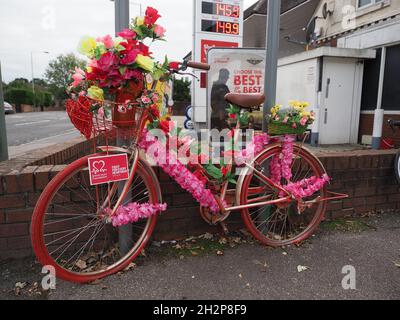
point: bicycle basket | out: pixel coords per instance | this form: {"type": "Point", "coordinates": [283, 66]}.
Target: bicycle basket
{"type": "Point", "coordinates": [93, 117]}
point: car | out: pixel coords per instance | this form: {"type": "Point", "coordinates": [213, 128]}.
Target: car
{"type": "Point", "coordinates": [8, 108]}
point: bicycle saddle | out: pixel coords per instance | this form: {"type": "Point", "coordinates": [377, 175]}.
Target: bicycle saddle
{"type": "Point", "coordinates": [245, 101]}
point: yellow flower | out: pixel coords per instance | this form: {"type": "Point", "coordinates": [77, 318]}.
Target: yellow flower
{"type": "Point", "coordinates": [139, 21]}
{"type": "Point", "coordinates": [96, 93]}
{"type": "Point", "coordinates": [117, 43]}
{"type": "Point", "coordinates": [89, 69]}
{"type": "Point", "coordinates": [146, 63]}
{"type": "Point", "coordinates": [305, 114]}
{"type": "Point", "coordinates": [87, 46]}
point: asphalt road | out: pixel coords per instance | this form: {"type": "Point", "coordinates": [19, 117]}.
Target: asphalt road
{"type": "Point", "coordinates": [249, 271]}
{"type": "Point", "coordinates": [30, 131]}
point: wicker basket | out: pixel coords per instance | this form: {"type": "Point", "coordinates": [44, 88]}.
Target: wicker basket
{"type": "Point", "coordinates": [276, 128]}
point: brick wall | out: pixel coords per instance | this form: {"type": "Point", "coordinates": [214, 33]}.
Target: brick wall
{"type": "Point", "coordinates": [367, 176]}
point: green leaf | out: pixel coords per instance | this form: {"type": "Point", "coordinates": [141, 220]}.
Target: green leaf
{"type": "Point", "coordinates": [213, 171]}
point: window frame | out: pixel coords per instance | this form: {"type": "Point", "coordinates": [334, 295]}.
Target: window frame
{"type": "Point", "coordinates": [372, 3]}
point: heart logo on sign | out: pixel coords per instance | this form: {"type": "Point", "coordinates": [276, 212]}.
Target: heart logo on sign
{"type": "Point", "coordinates": [98, 166]}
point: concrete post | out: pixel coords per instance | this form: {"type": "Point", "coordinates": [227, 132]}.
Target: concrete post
{"type": "Point", "coordinates": [3, 129]}
{"type": "Point", "coordinates": [272, 52]}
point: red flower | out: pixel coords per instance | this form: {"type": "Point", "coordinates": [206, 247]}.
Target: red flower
{"type": "Point", "coordinates": [106, 61]}
{"type": "Point", "coordinates": [233, 116]}
{"type": "Point", "coordinates": [154, 111]}
{"type": "Point", "coordinates": [224, 171]}
{"type": "Point", "coordinates": [165, 126]}
{"type": "Point", "coordinates": [127, 34]}
{"type": "Point", "coordinates": [151, 16]}
{"type": "Point", "coordinates": [130, 57]}
{"type": "Point", "coordinates": [174, 65]}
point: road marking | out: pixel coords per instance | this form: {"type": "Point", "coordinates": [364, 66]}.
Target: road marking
{"type": "Point", "coordinates": [29, 123]}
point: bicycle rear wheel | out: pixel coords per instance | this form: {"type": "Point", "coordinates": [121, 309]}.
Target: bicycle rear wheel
{"type": "Point", "coordinates": [275, 225]}
{"type": "Point", "coordinates": [69, 233]}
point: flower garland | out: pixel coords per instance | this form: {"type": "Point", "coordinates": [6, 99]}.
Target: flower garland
{"type": "Point", "coordinates": [307, 187]}
{"type": "Point", "coordinates": [176, 170]}
{"type": "Point", "coordinates": [281, 167]}
{"type": "Point", "coordinates": [133, 212]}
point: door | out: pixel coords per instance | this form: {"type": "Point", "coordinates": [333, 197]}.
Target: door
{"type": "Point", "coordinates": [337, 101]}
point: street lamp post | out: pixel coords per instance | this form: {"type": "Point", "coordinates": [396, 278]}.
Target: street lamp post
{"type": "Point", "coordinates": [33, 75]}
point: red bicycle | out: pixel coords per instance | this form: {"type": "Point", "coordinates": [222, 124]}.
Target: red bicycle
{"type": "Point", "coordinates": [72, 227]}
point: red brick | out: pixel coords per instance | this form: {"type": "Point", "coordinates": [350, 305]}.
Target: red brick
{"type": "Point", "coordinates": [17, 243]}
{"type": "Point", "coordinates": [14, 230]}
{"type": "Point", "coordinates": [56, 170]}
{"type": "Point", "coordinates": [376, 199]}
{"type": "Point", "coordinates": [11, 182]}
{"type": "Point", "coordinates": [32, 199]}
{"type": "Point", "coordinates": [354, 202]}
{"type": "Point", "coordinates": [42, 176]}
{"type": "Point", "coordinates": [12, 201]}
{"type": "Point", "coordinates": [14, 216]}
{"type": "Point", "coordinates": [364, 191]}
{"type": "Point", "coordinates": [3, 244]}
{"type": "Point", "coordinates": [2, 217]}
{"type": "Point", "coordinates": [335, 205]}
{"type": "Point", "coordinates": [26, 180]}
{"type": "Point", "coordinates": [1, 185]}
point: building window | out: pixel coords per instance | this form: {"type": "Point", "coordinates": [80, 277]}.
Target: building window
{"type": "Point", "coordinates": [371, 82]}
{"type": "Point", "coordinates": [391, 92]}
{"type": "Point", "coordinates": [366, 3]}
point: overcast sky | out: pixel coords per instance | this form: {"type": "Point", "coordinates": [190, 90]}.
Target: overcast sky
{"type": "Point", "coordinates": [56, 26]}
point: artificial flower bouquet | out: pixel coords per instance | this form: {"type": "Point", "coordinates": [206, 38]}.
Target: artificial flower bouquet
{"type": "Point", "coordinates": [292, 120]}
{"type": "Point", "coordinates": [118, 70]}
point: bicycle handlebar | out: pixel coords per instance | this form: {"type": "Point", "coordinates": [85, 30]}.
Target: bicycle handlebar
{"type": "Point", "coordinates": [198, 65]}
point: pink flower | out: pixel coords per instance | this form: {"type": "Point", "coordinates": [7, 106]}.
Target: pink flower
{"type": "Point", "coordinates": [130, 57]}
{"type": "Point", "coordinates": [303, 121]}
{"type": "Point", "coordinates": [285, 120]}
{"type": "Point", "coordinates": [159, 31]}
{"type": "Point", "coordinates": [294, 126]}
{"type": "Point", "coordinates": [146, 100]}
{"type": "Point", "coordinates": [78, 76]}
{"type": "Point", "coordinates": [107, 61]}
{"type": "Point", "coordinates": [107, 41]}
{"type": "Point", "coordinates": [127, 34]}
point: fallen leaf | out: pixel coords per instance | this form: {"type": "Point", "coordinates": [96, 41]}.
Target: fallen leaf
{"type": "Point", "coordinates": [223, 241]}
{"type": "Point", "coordinates": [20, 285]}
{"type": "Point", "coordinates": [240, 276]}
{"type": "Point", "coordinates": [178, 247]}
{"type": "Point", "coordinates": [207, 236]}
{"type": "Point", "coordinates": [194, 253]}
{"type": "Point", "coordinates": [284, 253]}
{"type": "Point", "coordinates": [81, 264]}
{"type": "Point", "coordinates": [397, 264]}
{"type": "Point", "coordinates": [302, 268]}
{"type": "Point", "coordinates": [130, 267]}
{"type": "Point", "coordinates": [220, 253]}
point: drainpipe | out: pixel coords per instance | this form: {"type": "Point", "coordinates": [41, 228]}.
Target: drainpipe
{"type": "Point", "coordinates": [379, 112]}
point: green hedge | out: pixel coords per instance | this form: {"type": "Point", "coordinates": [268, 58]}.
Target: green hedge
{"type": "Point", "coordinates": [20, 96]}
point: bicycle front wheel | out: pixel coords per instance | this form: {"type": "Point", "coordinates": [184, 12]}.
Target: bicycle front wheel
{"type": "Point", "coordinates": [69, 233]}
{"type": "Point", "coordinates": [281, 225]}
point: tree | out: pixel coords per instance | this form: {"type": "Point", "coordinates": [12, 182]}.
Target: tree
{"type": "Point", "coordinates": [19, 96]}
{"type": "Point", "coordinates": [182, 90]}
{"type": "Point", "coordinates": [19, 83]}
{"type": "Point", "coordinates": [57, 73]}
